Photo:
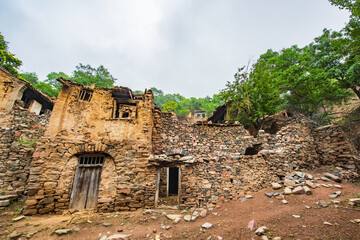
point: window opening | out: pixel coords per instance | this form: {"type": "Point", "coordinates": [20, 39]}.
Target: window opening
{"type": "Point", "coordinates": [91, 161]}
{"type": "Point", "coordinates": [85, 95]}
{"type": "Point", "coordinates": [124, 110]}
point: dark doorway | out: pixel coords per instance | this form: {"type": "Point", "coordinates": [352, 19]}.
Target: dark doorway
{"type": "Point", "coordinates": [86, 182]}
{"type": "Point", "coordinates": [173, 181]}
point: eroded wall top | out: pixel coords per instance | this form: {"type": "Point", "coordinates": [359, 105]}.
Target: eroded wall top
{"type": "Point", "coordinates": [101, 114]}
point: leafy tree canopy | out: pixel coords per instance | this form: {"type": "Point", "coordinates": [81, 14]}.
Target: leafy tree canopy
{"type": "Point", "coordinates": [297, 79]}
{"type": "Point", "coordinates": [47, 88]}
{"type": "Point", "coordinates": [7, 59]}
{"type": "Point", "coordinates": [51, 79]}
{"type": "Point", "coordinates": [352, 5]}
{"type": "Point", "coordinates": [31, 77]}
{"type": "Point", "coordinates": [87, 75]}
{"type": "Point", "coordinates": [183, 106]}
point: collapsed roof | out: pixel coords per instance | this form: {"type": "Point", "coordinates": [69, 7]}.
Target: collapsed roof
{"type": "Point", "coordinates": [30, 92]}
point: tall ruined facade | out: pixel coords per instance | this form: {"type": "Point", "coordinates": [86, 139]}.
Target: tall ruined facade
{"type": "Point", "coordinates": [94, 152]}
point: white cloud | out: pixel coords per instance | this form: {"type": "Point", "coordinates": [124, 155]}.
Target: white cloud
{"type": "Point", "coordinates": [185, 46]}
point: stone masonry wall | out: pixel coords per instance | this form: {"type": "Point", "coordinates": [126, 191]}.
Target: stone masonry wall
{"type": "Point", "coordinates": [19, 133]}
{"type": "Point", "coordinates": [333, 149]}
{"type": "Point", "coordinates": [84, 127]}
{"type": "Point", "coordinates": [124, 182]}
{"type": "Point", "coordinates": [213, 161]}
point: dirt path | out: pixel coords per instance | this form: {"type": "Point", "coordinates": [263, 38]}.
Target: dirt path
{"type": "Point", "coordinates": [230, 221]}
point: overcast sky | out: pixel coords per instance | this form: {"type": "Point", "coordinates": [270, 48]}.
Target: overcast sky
{"type": "Point", "coordinates": [191, 47]}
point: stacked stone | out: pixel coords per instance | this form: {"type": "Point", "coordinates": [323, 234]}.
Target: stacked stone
{"type": "Point", "coordinates": [126, 182]}
{"type": "Point", "coordinates": [19, 132]}
{"type": "Point", "coordinates": [221, 170]}
{"type": "Point", "coordinates": [292, 147]}
{"type": "Point", "coordinates": [333, 147]}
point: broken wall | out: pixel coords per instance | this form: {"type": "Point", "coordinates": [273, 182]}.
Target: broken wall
{"type": "Point", "coordinates": [19, 133]}
{"type": "Point", "coordinates": [212, 157]}
{"type": "Point", "coordinates": [85, 125]}
{"type": "Point", "coordinates": [10, 90]}
{"type": "Point", "coordinates": [334, 149]}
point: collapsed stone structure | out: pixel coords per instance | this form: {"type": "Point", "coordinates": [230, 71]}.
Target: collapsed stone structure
{"type": "Point", "coordinates": [113, 150]}
{"type": "Point", "coordinates": [20, 126]}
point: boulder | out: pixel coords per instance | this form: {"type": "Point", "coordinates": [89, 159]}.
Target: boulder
{"type": "Point", "coordinates": [298, 190]}
{"type": "Point", "coordinates": [333, 177]}
{"type": "Point", "coordinates": [261, 230]}
{"type": "Point", "coordinates": [276, 186]}
{"type": "Point", "coordinates": [206, 225]}
{"type": "Point", "coordinates": [287, 191]}
{"type": "Point", "coordinates": [119, 237]}
{"type": "Point", "coordinates": [4, 203]}
{"type": "Point", "coordinates": [62, 231]}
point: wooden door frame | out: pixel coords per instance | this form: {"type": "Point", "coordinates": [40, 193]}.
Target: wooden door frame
{"type": "Point", "coordinates": [80, 166]}
{"type": "Point", "coordinates": [157, 191]}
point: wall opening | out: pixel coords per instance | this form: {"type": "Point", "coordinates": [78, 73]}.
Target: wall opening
{"type": "Point", "coordinates": [254, 150]}
{"type": "Point", "coordinates": [173, 181]}
{"type": "Point", "coordinates": [168, 187]}
{"type": "Point", "coordinates": [85, 95]}
{"type": "Point", "coordinates": [85, 189]}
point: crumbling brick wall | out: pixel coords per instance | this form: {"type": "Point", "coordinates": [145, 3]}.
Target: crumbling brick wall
{"type": "Point", "coordinates": [19, 133]}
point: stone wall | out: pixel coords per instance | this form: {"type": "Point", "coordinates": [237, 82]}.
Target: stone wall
{"type": "Point", "coordinates": [19, 133]}
{"type": "Point", "coordinates": [214, 162]}
{"type": "Point", "coordinates": [9, 90]}
{"type": "Point", "coordinates": [124, 182]}
{"type": "Point", "coordinates": [82, 126]}
{"type": "Point", "coordinates": [334, 149]}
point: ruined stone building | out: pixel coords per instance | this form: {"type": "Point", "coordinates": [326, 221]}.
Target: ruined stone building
{"type": "Point", "coordinates": [112, 150]}
{"type": "Point", "coordinates": [23, 117]}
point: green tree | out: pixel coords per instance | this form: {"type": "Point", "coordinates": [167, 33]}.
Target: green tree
{"type": "Point", "coordinates": [353, 6]}
{"type": "Point", "coordinates": [52, 77]}
{"type": "Point", "coordinates": [31, 77]}
{"type": "Point", "coordinates": [7, 59]}
{"type": "Point", "coordinates": [47, 89]}
{"type": "Point", "coordinates": [170, 106]}
{"type": "Point", "coordinates": [293, 78]}
{"type": "Point", "coordinates": [87, 75]}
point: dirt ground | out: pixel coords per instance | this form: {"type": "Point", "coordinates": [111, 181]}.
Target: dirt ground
{"type": "Point", "coordinates": [230, 221]}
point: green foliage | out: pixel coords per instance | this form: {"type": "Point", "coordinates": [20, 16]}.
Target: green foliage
{"type": "Point", "coordinates": [353, 6]}
{"type": "Point", "coordinates": [30, 143]}
{"type": "Point", "coordinates": [184, 105]}
{"type": "Point", "coordinates": [294, 78]}
{"type": "Point", "coordinates": [308, 80]}
{"type": "Point", "coordinates": [170, 106]}
{"type": "Point", "coordinates": [47, 89]}
{"type": "Point", "coordinates": [31, 77]}
{"type": "Point", "coordinates": [7, 59]}
{"type": "Point", "coordinates": [83, 74]}
{"type": "Point", "coordinates": [51, 80]}
{"type": "Point", "coordinates": [87, 75]}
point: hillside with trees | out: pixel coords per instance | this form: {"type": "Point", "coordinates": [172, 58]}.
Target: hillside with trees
{"type": "Point", "coordinates": [308, 80]}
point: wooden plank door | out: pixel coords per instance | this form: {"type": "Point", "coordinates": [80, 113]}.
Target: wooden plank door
{"type": "Point", "coordinates": [85, 188]}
